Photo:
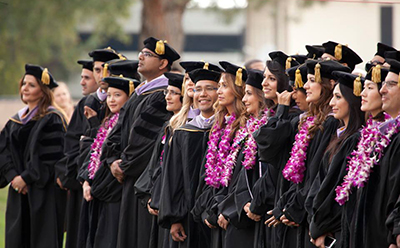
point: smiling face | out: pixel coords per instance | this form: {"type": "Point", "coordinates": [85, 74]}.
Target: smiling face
{"type": "Point", "coordinates": [173, 99]}
{"type": "Point", "coordinates": [205, 96]}
{"type": "Point", "coordinates": [116, 98]}
{"type": "Point", "coordinates": [251, 100]}
{"type": "Point", "coordinates": [313, 89]}
{"type": "Point", "coordinates": [371, 100]}
{"type": "Point", "coordinates": [31, 93]}
{"type": "Point", "coordinates": [226, 96]}
{"type": "Point", "coordinates": [340, 107]}
{"type": "Point", "coordinates": [270, 85]}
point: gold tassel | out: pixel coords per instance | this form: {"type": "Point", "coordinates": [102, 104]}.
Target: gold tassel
{"type": "Point", "coordinates": [288, 63]}
{"type": "Point", "coordinates": [160, 47]}
{"type": "Point", "coordinates": [183, 87]}
{"type": "Point", "coordinates": [105, 70]}
{"type": "Point", "coordinates": [338, 52]}
{"type": "Point", "coordinates": [298, 81]}
{"type": "Point", "coordinates": [317, 73]}
{"type": "Point", "coordinates": [238, 80]}
{"type": "Point", "coordinates": [376, 74]}
{"type": "Point", "coordinates": [45, 77]}
{"type": "Point", "coordinates": [131, 88]}
{"type": "Point", "coordinates": [357, 87]}
{"type": "Point", "coordinates": [121, 57]}
{"type": "Point", "coordinates": [205, 66]}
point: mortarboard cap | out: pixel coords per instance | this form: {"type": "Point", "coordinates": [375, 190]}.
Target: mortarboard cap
{"type": "Point", "coordinates": [284, 60]}
{"type": "Point", "coordinates": [128, 85]}
{"type": "Point", "coordinates": [105, 54]}
{"type": "Point", "coordinates": [86, 64]}
{"type": "Point", "coordinates": [342, 53]}
{"type": "Point", "coordinates": [240, 73]}
{"type": "Point", "coordinates": [349, 80]}
{"type": "Point", "coordinates": [193, 65]}
{"type": "Point", "coordinates": [162, 49]}
{"type": "Point", "coordinates": [324, 69]}
{"type": "Point", "coordinates": [204, 74]}
{"type": "Point", "coordinates": [43, 74]}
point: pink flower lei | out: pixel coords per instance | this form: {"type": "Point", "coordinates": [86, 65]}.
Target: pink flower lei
{"type": "Point", "coordinates": [368, 153]}
{"type": "Point", "coordinates": [104, 130]}
{"type": "Point", "coordinates": [295, 167]}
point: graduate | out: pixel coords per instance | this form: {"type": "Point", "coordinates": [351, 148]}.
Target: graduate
{"type": "Point", "coordinates": [377, 194]}
{"type": "Point", "coordinates": [297, 79]}
{"type": "Point", "coordinates": [31, 143]}
{"type": "Point", "coordinates": [320, 204]}
{"type": "Point", "coordinates": [128, 148]}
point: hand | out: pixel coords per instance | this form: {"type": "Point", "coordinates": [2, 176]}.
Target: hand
{"type": "Point", "coordinates": [398, 240]}
{"type": "Point", "coordinates": [249, 214]}
{"type": "Point", "coordinates": [151, 210]}
{"type": "Point", "coordinates": [177, 232]}
{"type": "Point", "coordinates": [393, 246]}
{"type": "Point", "coordinates": [59, 183]}
{"type": "Point", "coordinates": [320, 241]}
{"type": "Point", "coordinates": [222, 222]}
{"type": "Point", "coordinates": [18, 184]}
{"type": "Point", "coordinates": [287, 222]}
{"type": "Point", "coordinates": [86, 191]}
{"type": "Point", "coordinates": [89, 112]}
{"type": "Point", "coordinates": [284, 97]}
{"type": "Point", "coordinates": [208, 224]}
{"type": "Point", "coordinates": [116, 171]}
{"type": "Point", "coordinates": [272, 221]}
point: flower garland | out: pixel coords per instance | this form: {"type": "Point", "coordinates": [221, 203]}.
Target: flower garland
{"type": "Point", "coordinates": [102, 133]}
{"type": "Point", "coordinates": [368, 153]}
{"type": "Point", "coordinates": [253, 124]}
{"type": "Point", "coordinates": [295, 167]}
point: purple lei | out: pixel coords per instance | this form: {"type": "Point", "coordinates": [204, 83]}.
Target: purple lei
{"type": "Point", "coordinates": [295, 167]}
{"type": "Point", "coordinates": [368, 153]}
{"type": "Point", "coordinates": [104, 130]}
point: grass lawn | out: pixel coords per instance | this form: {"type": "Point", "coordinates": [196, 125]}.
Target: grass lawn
{"type": "Point", "coordinates": [3, 203]}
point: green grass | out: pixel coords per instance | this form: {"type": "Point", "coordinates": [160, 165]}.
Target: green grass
{"type": "Point", "coordinates": [3, 204]}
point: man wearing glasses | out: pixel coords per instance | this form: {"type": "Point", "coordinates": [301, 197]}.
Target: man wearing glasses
{"type": "Point", "coordinates": [129, 146]}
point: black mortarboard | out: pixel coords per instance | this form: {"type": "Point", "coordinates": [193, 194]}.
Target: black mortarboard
{"type": "Point", "coordinates": [284, 60]}
{"type": "Point", "coordinates": [299, 58]}
{"type": "Point", "coordinates": [297, 76]}
{"type": "Point", "coordinates": [382, 48]}
{"type": "Point", "coordinates": [315, 51]}
{"type": "Point", "coordinates": [324, 69]}
{"type": "Point", "coordinates": [376, 73]}
{"type": "Point", "coordinates": [255, 78]}
{"type": "Point", "coordinates": [392, 55]}
{"type": "Point", "coordinates": [175, 79]}
{"type": "Point", "coordinates": [349, 80]}
{"type": "Point", "coordinates": [193, 65]}
{"type": "Point", "coordinates": [162, 49]}
{"type": "Point", "coordinates": [105, 54]}
{"type": "Point", "coordinates": [128, 85]}
{"type": "Point", "coordinates": [240, 73]}
{"type": "Point", "coordinates": [86, 64]}
{"type": "Point", "coordinates": [43, 74]}
{"type": "Point", "coordinates": [342, 53]}
{"type": "Point", "coordinates": [126, 68]}
{"type": "Point", "coordinates": [204, 74]}
{"type": "Point", "coordinates": [394, 66]}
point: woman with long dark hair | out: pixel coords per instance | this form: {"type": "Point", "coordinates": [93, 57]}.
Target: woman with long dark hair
{"type": "Point", "coordinates": [30, 145]}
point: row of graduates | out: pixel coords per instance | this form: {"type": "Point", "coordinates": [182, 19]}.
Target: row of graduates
{"type": "Point", "coordinates": [225, 162]}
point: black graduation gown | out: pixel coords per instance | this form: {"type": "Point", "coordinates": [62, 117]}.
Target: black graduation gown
{"type": "Point", "coordinates": [294, 198]}
{"type": "Point", "coordinates": [135, 134]}
{"type": "Point", "coordinates": [37, 218]}
{"type": "Point", "coordinates": [274, 141]}
{"type": "Point", "coordinates": [326, 213]}
{"type": "Point", "coordinates": [375, 202]}
{"type": "Point", "coordinates": [180, 180]}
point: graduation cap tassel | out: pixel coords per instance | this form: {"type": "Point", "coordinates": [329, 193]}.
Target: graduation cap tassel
{"type": "Point", "coordinates": [317, 73]}
{"type": "Point", "coordinates": [338, 52]}
{"type": "Point", "coordinates": [131, 88]}
{"type": "Point", "coordinates": [160, 47]}
{"type": "Point", "coordinates": [105, 70]}
{"type": "Point", "coordinates": [45, 77]}
{"type": "Point", "coordinates": [298, 82]}
{"type": "Point", "coordinates": [288, 63]}
{"type": "Point", "coordinates": [238, 80]}
{"type": "Point", "coordinates": [205, 66]}
{"type": "Point", "coordinates": [183, 87]}
{"type": "Point", "coordinates": [376, 74]}
{"type": "Point", "coordinates": [357, 87]}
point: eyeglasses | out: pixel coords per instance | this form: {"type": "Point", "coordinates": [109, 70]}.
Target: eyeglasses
{"type": "Point", "coordinates": [171, 92]}
{"type": "Point", "coordinates": [389, 84]}
{"type": "Point", "coordinates": [207, 89]}
{"type": "Point", "coordinates": [148, 55]}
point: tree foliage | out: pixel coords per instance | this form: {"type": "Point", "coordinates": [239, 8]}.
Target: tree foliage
{"type": "Point", "coordinates": [45, 32]}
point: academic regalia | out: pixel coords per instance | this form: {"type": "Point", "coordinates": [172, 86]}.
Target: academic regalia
{"type": "Point", "coordinates": [180, 179]}
{"type": "Point", "coordinates": [294, 198]}
{"type": "Point", "coordinates": [37, 218]}
{"type": "Point", "coordinates": [326, 213]}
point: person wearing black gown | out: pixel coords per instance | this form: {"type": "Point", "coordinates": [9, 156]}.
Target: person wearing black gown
{"type": "Point", "coordinates": [128, 148]}
{"type": "Point", "coordinates": [323, 211]}
{"type": "Point", "coordinates": [182, 166]}
{"type": "Point", "coordinates": [31, 143]}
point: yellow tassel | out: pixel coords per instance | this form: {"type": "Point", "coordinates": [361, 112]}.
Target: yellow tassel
{"type": "Point", "coordinates": [338, 52]}
{"type": "Point", "coordinates": [105, 70]}
{"type": "Point", "coordinates": [357, 87]}
{"type": "Point", "coordinates": [298, 81]}
{"type": "Point", "coordinates": [183, 87]}
{"type": "Point", "coordinates": [45, 77]}
{"type": "Point", "coordinates": [121, 57]}
{"type": "Point", "coordinates": [288, 63]}
{"type": "Point", "coordinates": [121, 76]}
{"type": "Point", "coordinates": [205, 66]}
{"type": "Point", "coordinates": [131, 88]}
{"type": "Point", "coordinates": [238, 80]}
{"type": "Point", "coordinates": [317, 73]}
{"type": "Point", "coordinates": [376, 74]}
{"type": "Point", "coordinates": [160, 47]}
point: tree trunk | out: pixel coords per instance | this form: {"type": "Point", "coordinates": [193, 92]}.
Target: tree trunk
{"type": "Point", "coordinates": [162, 19]}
